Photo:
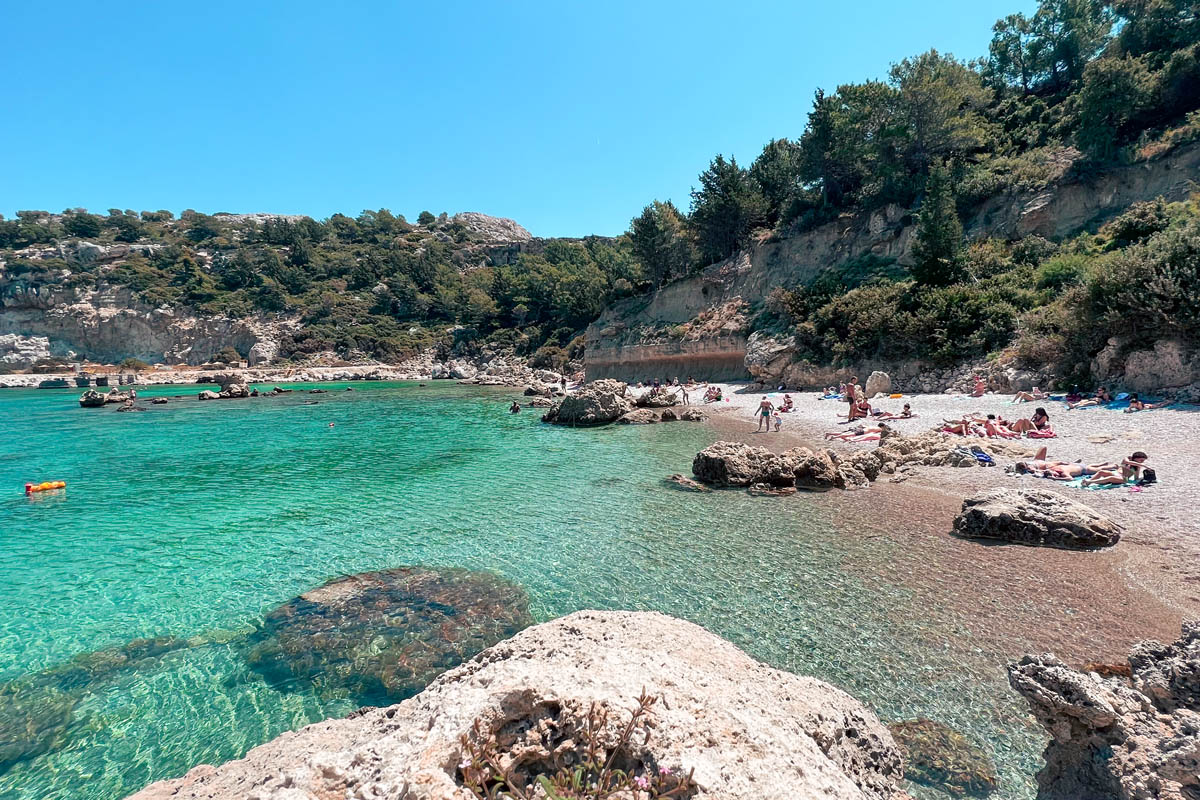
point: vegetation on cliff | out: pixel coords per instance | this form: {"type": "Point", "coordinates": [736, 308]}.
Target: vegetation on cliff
{"type": "Point", "coordinates": [1080, 86]}
{"type": "Point", "coordinates": [374, 285]}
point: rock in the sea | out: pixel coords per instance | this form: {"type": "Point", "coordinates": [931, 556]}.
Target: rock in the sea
{"type": "Point", "coordinates": [208, 394]}
{"type": "Point", "coordinates": [598, 403]}
{"type": "Point", "coordinates": [684, 482]}
{"type": "Point", "coordinates": [33, 721]}
{"type": "Point", "coordinates": [878, 383]}
{"type": "Point", "coordinates": [1035, 517]}
{"type": "Point", "coordinates": [639, 416]}
{"type": "Point", "coordinates": [745, 731]}
{"type": "Point", "coordinates": [767, 490]}
{"type": "Point", "coordinates": [159, 401]}
{"type": "Point", "coordinates": [739, 464]}
{"type": "Point", "coordinates": [91, 399]}
{"type": "Point", "coordinates": [1110, 739]}
{"type": "Point", "coordinates": [541, 402]}
{"type": "Point", "coordinates": [937, 755]}
{"type": "Point", "coordinates": [382, 636]}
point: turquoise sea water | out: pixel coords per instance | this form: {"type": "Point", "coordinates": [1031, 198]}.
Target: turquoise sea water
{"type": "Point", "coordinates": [194, 519]}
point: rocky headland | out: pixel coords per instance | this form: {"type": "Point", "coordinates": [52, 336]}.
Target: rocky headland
{"type": "Point", "coordinates": [1125, 734]}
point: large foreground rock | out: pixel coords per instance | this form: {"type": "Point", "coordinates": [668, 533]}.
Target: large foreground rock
{"type": "Point", "coordinates": [598, 403]}
{"type": "Point", "coordinates": [1034, 516]}
{"type": "Point", "coordinates": [740, 464]}
{"type": "Point", "coordinates": [1114, 737]}
{"type": "Point", "coordinates": [749, 732]}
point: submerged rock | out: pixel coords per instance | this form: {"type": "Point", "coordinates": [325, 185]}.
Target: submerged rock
{"type": "Point", "coordinates": [1111, 739]}
{"type": "Point", "coordinates": [33, 721]}
{"type": "Point", "coordinates": [745, 731]}
{"type": "Point", "coordinates": [598, 403]}
{"type": "Point", "coordinates": [684, 482]}
{"type": "Point", "coordinates": [937, 755]}
{"type": "Point", "coordinates": [1036, 517]}
{"type": "Point", "coordinates": [86, 669]}
{"type": "Point", "coordinates": [382, 636]}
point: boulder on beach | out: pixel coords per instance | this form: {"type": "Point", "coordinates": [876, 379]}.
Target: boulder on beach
{"type": "Point", "coordinates": [878, 383]}
{"type": "Point", "coordinates": [663, 399]}
{"type": "Point", "coordinates": [598, 403]}
{"type": "Point", "coordinates": [1124, 738]}
{"type": "Point", "coordinates": [382, 636]}
{"type": "Point", "coordinates": [817, 472]}
{"type": "Point", "coordinates": [639, 416]}
{"type": "Point", "coordinates": [742, 730]}
{"type": "Point", "coordinates": [1034, 517]}
{"type": "Point", "coordinates": [739, 464]}
{"type": "Point", "coordinates": [937, 755]}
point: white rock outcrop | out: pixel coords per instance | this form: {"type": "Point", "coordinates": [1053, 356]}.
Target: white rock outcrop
{"type": "Point", "coordinates": [749, 732]}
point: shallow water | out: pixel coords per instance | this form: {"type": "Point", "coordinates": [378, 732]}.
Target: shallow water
{"type": "Point", "coordinates": [195, 519]}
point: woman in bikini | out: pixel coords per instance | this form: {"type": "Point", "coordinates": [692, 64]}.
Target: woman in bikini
{"type": "Point", "coordinates": [1040, 421]}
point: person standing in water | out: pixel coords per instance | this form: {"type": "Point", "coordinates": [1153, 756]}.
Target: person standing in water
{"type": "Point", "coordinates": [765, 407]}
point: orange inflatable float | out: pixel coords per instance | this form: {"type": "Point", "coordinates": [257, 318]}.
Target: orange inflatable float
{"type": "Point", "coordinates": [45, 486]}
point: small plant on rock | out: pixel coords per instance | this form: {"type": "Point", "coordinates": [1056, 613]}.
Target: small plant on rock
{"type": "Point", "coordinates": [586, 770]}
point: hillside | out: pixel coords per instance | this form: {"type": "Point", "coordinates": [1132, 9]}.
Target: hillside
{"type": "Point", "coordinates": [274, 288]}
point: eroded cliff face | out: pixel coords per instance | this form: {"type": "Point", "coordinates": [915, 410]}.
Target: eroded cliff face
{"type": "Point", "coordinates": [626, 338]}
{"type": "Point", "coordinates": [109, 325]}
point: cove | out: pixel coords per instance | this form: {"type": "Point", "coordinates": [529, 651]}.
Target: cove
{"type": "Point", "coordinates": [194, 520]}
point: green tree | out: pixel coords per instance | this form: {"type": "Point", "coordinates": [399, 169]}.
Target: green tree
{"type": "Point", "coordinates": [777, 171]}
{"type": "Point", "coordinates": [660, 243]}
{"type": "Point", "coordinates": [848, 137]}
{"type": "Point", "coordinates": [1115, 92]}
{"type": "Point", "coordinates": [1014, 53]}
{"type": "Point", "coordinates": [1069, 34]}
{"type": "Point", "coordinates": [725, 209]}
{"type": "Point", "coordinates": [425, 218]}
{"type": "Point", "coordinates": [81, 224]}
{"type": "Point", "coordinates": [939, 105]}
{"type": "Point", "coordinates": [937, 249]}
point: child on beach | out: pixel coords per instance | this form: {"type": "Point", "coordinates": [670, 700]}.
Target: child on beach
{"type": "Point", "coordinates": [778, 421]}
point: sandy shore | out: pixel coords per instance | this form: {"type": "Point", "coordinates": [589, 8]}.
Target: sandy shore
{"type": "Point", "coordinates": [1082, 604]}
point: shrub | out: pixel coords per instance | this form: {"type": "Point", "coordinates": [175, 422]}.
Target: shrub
{"type": "Point", "coordinates": [591, 769]}
{"type": "Point", "coordinates": [135, 364]}
{"type": "Point", "coordinates": [1061, 271]}
{"type": "Point", "coordinates": [1139, 222]}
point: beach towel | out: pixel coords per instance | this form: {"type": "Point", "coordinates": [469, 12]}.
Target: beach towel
{"type": "Point", "coordinates": [1077, 483]}
{"type": "Point", "coordinates": [981, 456]}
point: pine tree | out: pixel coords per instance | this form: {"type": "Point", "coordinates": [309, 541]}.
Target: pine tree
{"type": "Point", "coordinates": [937, 251]}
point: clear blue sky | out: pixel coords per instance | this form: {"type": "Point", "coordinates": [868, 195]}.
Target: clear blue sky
{"type": "Point", "coordinates": [566, 116]}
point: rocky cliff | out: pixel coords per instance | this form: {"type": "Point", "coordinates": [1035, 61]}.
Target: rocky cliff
{"type": "Point", "coordinates": [628, 337]}
{"type": "Point", "coordinates": [742, 730]}
{"type": "Point", "coordinates": [110, 324]}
